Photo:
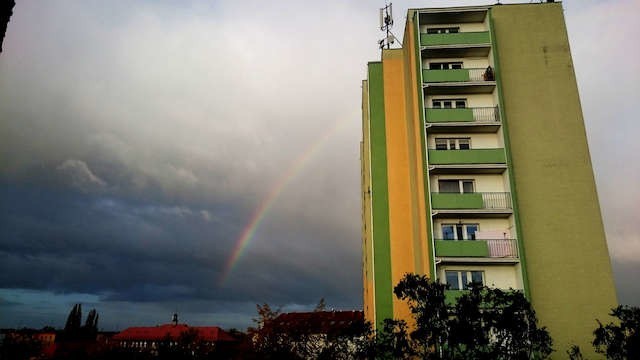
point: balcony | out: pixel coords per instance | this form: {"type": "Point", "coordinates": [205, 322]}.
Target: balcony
{"type": "Point", "coordinates": [487, 204]}
{"type": "Point", "coordinates": [471, 161]}
{"type": "Point", "coordinates": [458, 81]}
{"type": "Point", "coordinates": [466, 157]}
{"type": "Point", "coordinates": [478, 119]}
{"type": "Point", "coordinates": [489, 115]}
{"type": "Point", "coordinates": [462, 38]}
{"type": "Point", "coordinates": [499, 250]}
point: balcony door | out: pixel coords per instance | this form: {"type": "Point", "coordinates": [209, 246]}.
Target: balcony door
{"type": "Point", "coordinates": [453, 65]}
{"type": "Point", "coordinates": [459, 231]}
{"type": "Point", "coordinates": [449, 103]}
{"type": "Point", "coordinates": [456, 186]}
{"type": "Point", "coordinates": [453, 143]}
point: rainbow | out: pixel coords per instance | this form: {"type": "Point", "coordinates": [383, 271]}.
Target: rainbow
{"type": "Point", "coordinates": [267, 202]}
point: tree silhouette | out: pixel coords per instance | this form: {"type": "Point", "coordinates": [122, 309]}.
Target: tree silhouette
{"type": "Point", "coordinates": [620, 340]}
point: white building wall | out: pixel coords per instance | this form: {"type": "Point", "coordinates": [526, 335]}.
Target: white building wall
{"type": "Point", "coordinates": [503, 225]}
{"type": "Point", "coordinates": [483, 183]}
{"type": "Point", "coordinates": [467, 63]}
{"type": "Point", "coordinates": [464, 27]}
{"type": "Point", "coordinates": [478, 140]}
{"type": "Point", "coordinates": [498, 276]}
{"type": "Point", "coordinates": [473, 100]}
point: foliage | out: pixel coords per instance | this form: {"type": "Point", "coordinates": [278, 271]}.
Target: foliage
{"type": "Point", "coordinates": [575, 353]}
{"type": "Point", "coordinates": [73, 329]}
{"type": "Point", "coordinates": [274, 339]}
{"type": "Point", "coordinates": [426, 301]}
{"type": "Point", "coordinates": [620, 341]}
{"type": "Point", "coordinates": [20, 345]}
{"type": "Point", "coordinates": [390, 342]}
{"type": "Point", "coordinates": [189, 345]}
{"type": "Point", "coordinates": [484, 323]}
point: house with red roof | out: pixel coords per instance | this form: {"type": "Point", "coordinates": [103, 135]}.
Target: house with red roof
{"type": "Point", "coordinates": [150, 338]}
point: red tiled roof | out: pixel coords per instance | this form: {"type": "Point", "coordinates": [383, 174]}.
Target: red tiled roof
{"type": "Point", "coordinates": [319, 321]}
{"type": "Point", "coordinates": [160, 332]}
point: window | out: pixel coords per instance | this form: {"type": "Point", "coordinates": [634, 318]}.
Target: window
{"type": "Point", "coordinates": [445, 65]}
{"type": "Point", "coordinates": [443, 30]}
{"type": "Point", "coordinates": [453, 143]}
{"type": "Point", "coordinates": [456, 186]}
{"type": "Point", "coordinates": [449, 103]}
{"type": "Point", "coordinates": [460, 280]}
{"type": "Point", "coordinates": [459, 231]}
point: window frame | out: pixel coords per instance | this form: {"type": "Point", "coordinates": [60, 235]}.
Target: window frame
{"type": "Point", "coordinates": [452, 143]}
{"type": "Point", "coordinates": [468, 274]}
{"type": "Point", "coordinates": [448, 65]}
{"type": "Point", "coordinates": [460, 185]}
{"type": "Point", "coordinates": [454, 103]}
{"type": "Point", "coordinates": [454, 231]}
{"type": "Point", "coordinates": [443, 30]}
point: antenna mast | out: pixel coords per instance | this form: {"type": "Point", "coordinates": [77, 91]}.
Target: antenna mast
{"type": "Point", "coordinates": [386, 22]}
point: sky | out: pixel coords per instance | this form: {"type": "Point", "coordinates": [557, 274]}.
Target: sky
{"type": "Point", "coordinates": [202, 157]}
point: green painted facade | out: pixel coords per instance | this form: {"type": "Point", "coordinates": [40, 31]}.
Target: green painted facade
{"type": "Point", "coordinates": [452, 201]}
{"type": "Point", "coordinates": [512, 183]}
{"type": "Point", "coordinates": [380, 201]}
{"type": "Point", "coordinates": [481, 37]}
{"type": "Point", "coordinates": [449, 115]}
{"type": "Point", "coordinates": [470, 156]}
{"type": "Point", "coordinates": [437, 76]}
{"type": "Point", "coordinates": [562, 234]}
{"type": "Point", "coordinates": [462, 248]}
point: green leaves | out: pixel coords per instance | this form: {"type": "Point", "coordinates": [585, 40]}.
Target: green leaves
{"type": "Point", "coordinates": [620, 341]}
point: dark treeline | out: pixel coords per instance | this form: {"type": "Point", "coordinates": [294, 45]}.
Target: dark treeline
{"type": "Point", "coordinates": [483, 323]}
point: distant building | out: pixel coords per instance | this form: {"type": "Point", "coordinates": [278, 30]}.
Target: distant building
{"type": "Point", "coordinates": [308, 333]}
{"type": "Point", "coordinates": [151, 337]}
{"type": "Point", "coordinates": [476, 168]}
{"type": "Point", "coordinates": [320, 322]}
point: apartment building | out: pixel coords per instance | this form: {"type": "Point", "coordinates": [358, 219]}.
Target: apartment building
{"type": "Point", "coordinates": [475, 167]}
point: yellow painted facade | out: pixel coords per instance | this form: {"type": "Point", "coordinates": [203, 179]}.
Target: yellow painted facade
{"type": "Point", "coordinates": [404, 137]}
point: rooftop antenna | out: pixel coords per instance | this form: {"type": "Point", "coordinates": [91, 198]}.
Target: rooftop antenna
{"type": "Point", "coordinates": [386, 22]}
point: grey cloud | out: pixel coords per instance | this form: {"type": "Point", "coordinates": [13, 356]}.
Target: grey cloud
{"type": "Point", "coordinates": [80, 176]}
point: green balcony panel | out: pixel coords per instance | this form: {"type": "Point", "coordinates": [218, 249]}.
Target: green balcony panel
{"type": "Point", "coordinates": [454, 75]}
{"type": "Point", "coordinates": [449, 115]}
{"type": "Point", "coordinates": [456, 201]}
{"type": "Point", "coordinates": [462, 248]}
{"type": "Point", "coordinates": [470, 156]}
{"type": "Point", "coordinates": [463, 38]}
{"type": "Point", "coordinates": [451, 296]}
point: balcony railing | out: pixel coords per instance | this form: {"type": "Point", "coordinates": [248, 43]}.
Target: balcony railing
{"type": "Point", "coordinates": [471, 201]}
{"type": "Point", "coordinates": [491, 248]}
{"type": "Point", "coordinates": [462, 38]}
{"type": "Point", "coordinates": [457, 75]}
{"type": "Point", "coordinates": [469, 156]}
{"type": "Point", "coordinates": [477, 114]}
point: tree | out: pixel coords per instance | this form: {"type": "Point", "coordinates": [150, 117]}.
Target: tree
{"type": "Point", "coordinates": [426, 301]}
{"type": "Point", "coordinates": [619, 341]}
{"type": "Point", "coordinates": [484, 323]}
{"type": "Point", "coordinates": [20, 344]}
{"type": "Point", "coordinates": [74, 319]}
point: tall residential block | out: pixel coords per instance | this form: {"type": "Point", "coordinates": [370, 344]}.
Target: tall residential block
{"type": "Point", "coordinates": [475, 167]}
